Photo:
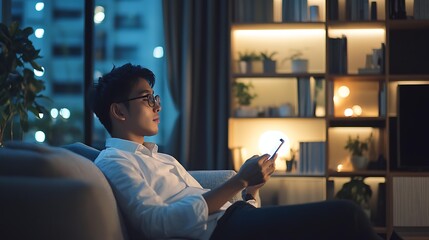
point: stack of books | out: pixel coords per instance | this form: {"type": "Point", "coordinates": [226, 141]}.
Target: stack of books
{"type": "Point", "coordinates": [294, 10]}
{"type": "Point", "coordinates": [311, 158]}
{"type": "Point", "coordinates": [357, 10]}
{"type": "Point", "coordinates": [311, 94]}
{"type": "Point", "coordinates": [421, 9]}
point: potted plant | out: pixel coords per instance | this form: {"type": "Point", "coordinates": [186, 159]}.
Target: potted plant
{"type": "Point", "coordinates": [357, 148]}
{"type": "Point", "coordinates": [299, 64]}
{"type": "Point", "coordinates": [269, 64]}
{"type": "Point", "coordinates": [244, 98]}
{"type": "Point", "coordinates": [357, 191]}
{"type": "Point", "coordinates": [249, 62]}
{"type": "Point", "coordinates": [19, 88]}
{"type": "Point", "coordinates": [291, 163]}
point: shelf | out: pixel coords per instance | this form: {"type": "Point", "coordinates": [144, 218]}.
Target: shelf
{"type": "Point", "coordinates": [277, 75]}
{"type": "Point", "coordinates": [408, 24]}
{"type": "Point", "coordinates": [356, 25]}
{"type": "Point", "coordinates": [409, 173]}
{"type": "Point", "coordinates": [357, 77]}
{"type": "Point", "coordinates": [285, 174]}
{"type": "Point", "coordinates": [278, 26]}
{"type": "Point", "coordinates": [365, 173]}
{"type": "Point", "coordinates": [278, 118]}
{"type": "Point", "coordinates": [408, 77]}
{"type": "Point", "coordinates": [377, 122]}
{"type": "Point", "coordinates": [403, 44]}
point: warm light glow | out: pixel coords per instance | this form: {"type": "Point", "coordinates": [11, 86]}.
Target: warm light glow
{"type": "Point", "coordinates": [343, 91]}
{"type": "Point", "coordinates": [39, 136]}
{"type": "Point", "coordinates": [39, 73]}
{"type": "Point", "coordinates": [279, 33]}
{"type": "Point", "coordinates": [340, 167]}
{"type": "Point", "coordinates": [356, 32]}
{"type": "Point", "coordinates": [336, 99]}
{"type": "Point", "coordinates": [357, 110]}
{"type": "Point", "coordinates": [320, 111]}
{"type": "Point", "coordinates": [269, 141]}
{"type": "Point", "coordinates": [99, 14]}
{"type": "Point", "coordinates": [158, 52]}
{"type": "Point", "coordinates": [39, 32]}
{"type": "Point", "coordinates": [348, 112]}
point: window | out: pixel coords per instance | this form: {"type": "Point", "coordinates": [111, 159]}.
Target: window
{"type": "Point", "coordinates": [125, 31]}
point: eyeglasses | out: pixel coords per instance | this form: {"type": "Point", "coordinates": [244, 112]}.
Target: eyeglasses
{"type": "Point", "coordinates": [149, 98]}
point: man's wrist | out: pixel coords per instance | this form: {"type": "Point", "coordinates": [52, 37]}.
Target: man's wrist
{"type": "Point", "coordinates": [243, 184]}
{"type": "Point", "coordinates": [249, 197]}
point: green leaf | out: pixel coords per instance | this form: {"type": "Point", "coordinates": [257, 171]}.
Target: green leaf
{"type": "Point", "coordinates": [34, 110]}
{"type": "Point", "coordinates": [13, 28]}
{"type": "Point", "coordinates": [27, 32]}
{"type": "Point", "coordinates": [36, 66]}
{"type": "Point", "coordinates": [19, 88]}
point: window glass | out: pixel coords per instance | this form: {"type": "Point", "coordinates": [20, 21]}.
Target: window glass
{"type": "Point", "coordinates": [59, 34]}
{"type": "Point", "coordinates": [124, 31]}
{"type": "Point", "coordinates": [128, 31]}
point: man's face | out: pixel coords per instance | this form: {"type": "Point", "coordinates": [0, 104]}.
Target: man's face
{"type": "Point", "coordinates": [142, 115]}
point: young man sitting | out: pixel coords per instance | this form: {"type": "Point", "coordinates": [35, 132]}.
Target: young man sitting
{"type": "Point", "coordinates": [159, 197]}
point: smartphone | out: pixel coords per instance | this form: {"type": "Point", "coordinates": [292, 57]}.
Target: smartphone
{"type": "Point", "coordinates": [274, 153]}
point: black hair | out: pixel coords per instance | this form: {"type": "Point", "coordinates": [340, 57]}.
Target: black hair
{"type": "Point", "coordinates": [116, 86]}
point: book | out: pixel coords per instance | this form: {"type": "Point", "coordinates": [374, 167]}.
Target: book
{"type": "Point", "coordinates": [311, 158]}
{"type": "Point", "coordinates": [337, 55]}
{"type": "Point", "coordinates": [294, 10]}
{"type": "Point", "coordinates": [259, 11]}
{"type": "Point", "coordinates": [332, 10]}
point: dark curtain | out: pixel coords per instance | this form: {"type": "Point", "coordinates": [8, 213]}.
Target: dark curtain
{"type": "Point", "coordinates": [197, 49]}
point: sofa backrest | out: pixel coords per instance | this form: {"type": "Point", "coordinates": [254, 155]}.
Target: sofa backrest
{"type": "Point", "coordinates": [52, 193]}
{"type": "Point", "coordinates": [83, 150]}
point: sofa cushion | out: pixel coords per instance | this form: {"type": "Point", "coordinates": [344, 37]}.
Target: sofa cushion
{"type": "Point", "coordinates": [83, 150]}
{"type": "Point", "coordinates": [69, 182]}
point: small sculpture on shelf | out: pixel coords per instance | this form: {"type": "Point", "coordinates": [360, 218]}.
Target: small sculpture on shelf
{"type": "Point", "coordinates": [357, 148]}
{"type": "Point", "coordinates": [244, 97]}
{"type": "Point", "coordinates": [291, 163]}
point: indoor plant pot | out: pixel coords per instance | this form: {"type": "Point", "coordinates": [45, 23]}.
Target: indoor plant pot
{"type": "Point", "coordinates": [357, 148]}
{"type": "Point", "coordinates": [299, 65]}
{"type": "Point", "coordinates": [359, 162]}
{"type": "Point", "coordinates": [268, 62]}
{"type": "Point", "coordinates": [244, 98]}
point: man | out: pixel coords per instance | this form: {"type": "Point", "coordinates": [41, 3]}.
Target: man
{"type": "Point", "coordinates": [162, 200]}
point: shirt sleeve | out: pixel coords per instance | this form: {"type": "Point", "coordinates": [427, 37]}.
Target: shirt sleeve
{"type": "Point", "coordinates": [148, 211]}
{"type": "Point", "coordinates": [254, 203]}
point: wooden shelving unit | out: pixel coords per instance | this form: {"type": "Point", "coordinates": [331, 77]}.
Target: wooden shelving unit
{"type": "Point", "coordinates": [372, 91]}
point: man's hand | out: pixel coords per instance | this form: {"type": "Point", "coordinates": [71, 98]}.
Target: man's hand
{"type": "Point", "coordinates": [256, 170]}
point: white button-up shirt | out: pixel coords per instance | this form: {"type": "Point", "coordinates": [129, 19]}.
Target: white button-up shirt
{"type": "Point", "coordinates": [156, 193]}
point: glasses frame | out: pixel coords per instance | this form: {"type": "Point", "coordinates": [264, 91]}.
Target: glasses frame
{"type": "Point", "coordinates": [149, 98]}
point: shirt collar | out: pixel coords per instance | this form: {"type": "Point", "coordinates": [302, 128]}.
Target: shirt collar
{"type": "Point", "coordinates": [147, 148]}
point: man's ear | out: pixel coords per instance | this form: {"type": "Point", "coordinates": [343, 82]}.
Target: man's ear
{"type": "Point", "coordinates": [117, 111]}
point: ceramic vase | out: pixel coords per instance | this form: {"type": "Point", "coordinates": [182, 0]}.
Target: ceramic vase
{"type": "Point", "coordinates": [359, 162]}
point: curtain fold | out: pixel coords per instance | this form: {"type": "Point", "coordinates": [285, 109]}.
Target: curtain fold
{"type": "Point", "coordinates": [197, 50]}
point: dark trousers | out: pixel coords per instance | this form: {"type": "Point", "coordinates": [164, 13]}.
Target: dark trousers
{"type": "Point", "coordinates": [336, 219]}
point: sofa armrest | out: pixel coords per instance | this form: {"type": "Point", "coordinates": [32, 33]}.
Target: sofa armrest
{"type": "Point", "coordinates": [212, 178]}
